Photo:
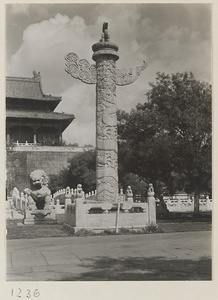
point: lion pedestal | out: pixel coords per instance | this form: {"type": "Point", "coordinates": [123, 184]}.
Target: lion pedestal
{"type": "Point", "coordinates": [39, 216]}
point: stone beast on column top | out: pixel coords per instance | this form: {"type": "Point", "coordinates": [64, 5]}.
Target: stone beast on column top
{"type": "Point", "coordinates": [104, 46]}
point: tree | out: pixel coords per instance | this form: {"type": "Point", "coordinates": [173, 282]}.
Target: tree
{"type": "Point", "coordinates": [138, 185]}
{"type": "Point", "coordinates": [81, 170]}
{"type": "Point", "coordinates": [168, 138]}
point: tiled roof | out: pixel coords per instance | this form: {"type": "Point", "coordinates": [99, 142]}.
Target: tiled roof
{"type": "Point", "coordinates": [38, 115]}
{"type": "Point", "coordinates": [27, 88]}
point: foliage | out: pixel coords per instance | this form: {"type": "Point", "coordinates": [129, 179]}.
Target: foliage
{"type": "Point", "coordinates": [81, 170]}
{"type": "Point", "coordinates": [138, 185]}
{"type": "Point", "coordinates": [58, 181]}
{"type": "Point", "coordinates": [167, 140]}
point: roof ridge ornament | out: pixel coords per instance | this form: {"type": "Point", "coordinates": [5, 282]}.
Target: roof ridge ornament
{"type": "Point", "coordinates": [36, 76]}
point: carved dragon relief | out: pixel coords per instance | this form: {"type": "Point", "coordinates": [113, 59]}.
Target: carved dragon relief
{"type": "Point", "coordinates": [83, 70]}
{"type": "Point", "coordinates": [107, 159]}
{"type": "Point", "coordinates": [106, 124]}
{"type": "Point", "coordinates": [107, 133]}
{"type": "Point", "coordinates": [106, 101]}
{"type": "Point", "coordinates": [107, 187]}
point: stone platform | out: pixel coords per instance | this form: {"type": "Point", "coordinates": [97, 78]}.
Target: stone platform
{"type": "Point", "coordinates": [102, 216]}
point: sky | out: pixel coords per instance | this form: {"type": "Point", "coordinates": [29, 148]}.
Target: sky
{"type": "Point", "coordinates": [170, 37]}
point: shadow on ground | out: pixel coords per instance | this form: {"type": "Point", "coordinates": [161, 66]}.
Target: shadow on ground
{"type": "Point", "coordinates": [141, 269]}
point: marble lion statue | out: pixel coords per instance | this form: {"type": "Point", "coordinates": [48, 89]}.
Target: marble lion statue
{"type": "Point", "coordinates": [39, 195]}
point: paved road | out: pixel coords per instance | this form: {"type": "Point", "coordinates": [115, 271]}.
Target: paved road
{"type": "Point", "coordinates": [161, 256]}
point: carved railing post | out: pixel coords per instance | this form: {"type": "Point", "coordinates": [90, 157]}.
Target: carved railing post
{"type": "Point", "coordinates": [151, 205]}
{"type": "Point", "coordinates": [67, 199]}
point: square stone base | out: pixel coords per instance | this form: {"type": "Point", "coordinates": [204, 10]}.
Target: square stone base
{"type": "Point", "coordinates": [107, 221]}
{"type": "Point", "coordinates": [39, 216]}
{"type": "Point", "coordinates": [109, 216]}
